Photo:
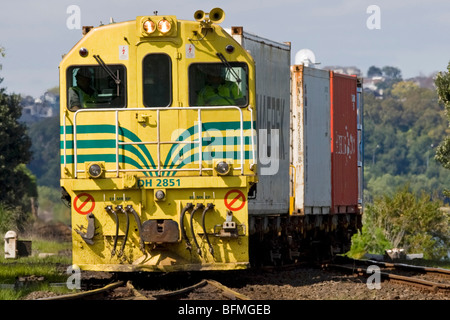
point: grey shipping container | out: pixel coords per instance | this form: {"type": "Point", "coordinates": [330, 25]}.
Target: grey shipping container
{"type": "Point", "coordinates": [272, 61]}
{"type": "Point", "coordinates": [310, 141]}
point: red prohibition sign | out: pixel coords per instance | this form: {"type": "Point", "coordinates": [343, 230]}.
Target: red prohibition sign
{"type": "Point", "coordinates": [231, 197]}
{"type": "Point", "coordinates": [85, 205]}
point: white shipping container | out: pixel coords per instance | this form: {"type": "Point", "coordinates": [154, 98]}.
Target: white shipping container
{"type": "Point", "coordinates": [311, 140]}
{"type": "Point", "coordinates": [272, 61]}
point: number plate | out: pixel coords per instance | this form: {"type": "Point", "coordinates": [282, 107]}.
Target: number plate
{"type": "Point", "coordinates": [149, 183]}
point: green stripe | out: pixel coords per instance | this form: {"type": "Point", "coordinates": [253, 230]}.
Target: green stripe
{"type": "Point", "coordinates": [188, 133]}
{"type": "Point", "coordinates": [213, 142]}
{"type": "Point", "coordinates": [183, 149]}
{"type": "Point", "coordinates": [90, 144]}
{"type": "Point", "coordinates": [108, 158]}
{"type": "Point", "coordinates": [108, 129]}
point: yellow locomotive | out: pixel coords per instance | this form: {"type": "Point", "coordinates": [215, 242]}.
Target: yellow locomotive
{"type": "Point", "coordinates": [158, 145]}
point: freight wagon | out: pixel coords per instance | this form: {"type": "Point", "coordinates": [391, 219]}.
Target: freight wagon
{"type": "Point", "coordinates": [311, 136]}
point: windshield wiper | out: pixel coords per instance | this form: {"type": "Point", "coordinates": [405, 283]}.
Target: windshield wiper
{"type": "Point", "coordinates": [227, 64]}
{"type": "Point", "coordinates": [116, 78]}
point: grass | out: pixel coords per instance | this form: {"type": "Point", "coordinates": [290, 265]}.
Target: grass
{"type": "Point", "coordinates": [52, 268]}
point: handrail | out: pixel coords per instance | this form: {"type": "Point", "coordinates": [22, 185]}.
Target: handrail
{"type": "Point", "coordinates": [65, 141]}
{"type": "Point", "coordinates": [252, 137]}
{"type": "Point", "coordinates": [158, 141]}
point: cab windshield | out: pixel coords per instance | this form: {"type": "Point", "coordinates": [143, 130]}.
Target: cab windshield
{"type": "Point", "coordinates": [218, 84]}
{"type": "Point", "coordinates": [94, 87]}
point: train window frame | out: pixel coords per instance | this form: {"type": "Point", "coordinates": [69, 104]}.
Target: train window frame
{"type": "Point", "coordinates": [121, 103]}
{"type": "Point", "coordinates": [169, 83]}
{"type": "Point", "coordinates": [194, 88]}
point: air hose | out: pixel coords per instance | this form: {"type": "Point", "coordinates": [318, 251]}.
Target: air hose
{"type": "Point", "coordinates": [198, 206]}
{"type": "Point", "coordinates": [139, 225]}
{"type": "Point", "coordinates": [208, 207]}
{"type": "Point", "coordinates": [188, 206]}
{"type": "Point", "coordinates": [119, 207]}
{"type": "Point", "coordinates": [109, 209]}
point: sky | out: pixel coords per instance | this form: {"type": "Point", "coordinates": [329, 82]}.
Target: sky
{"type": "Point", "coordinates": [411, 35]}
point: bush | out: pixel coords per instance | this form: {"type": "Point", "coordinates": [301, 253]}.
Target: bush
{"type": "Point", "coordinates": [405, 220]}
{"type": "Point", "coordinates": [10, 218]}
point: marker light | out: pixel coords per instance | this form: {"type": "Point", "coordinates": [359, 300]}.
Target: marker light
{"type": "Point", "coordinates": [164, 25]}
{"type": "Point", "coordinates": [222, 168]}
{"type": "Point", "coordinates": [229, 48]}
{"type": "Point", "coordinates": [149, 26]}
{"type": "Point", "coordinates": [84, 52]}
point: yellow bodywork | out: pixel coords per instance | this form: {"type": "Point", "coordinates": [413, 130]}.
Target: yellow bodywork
{"type": "Point", "coordinates": [141, 150]}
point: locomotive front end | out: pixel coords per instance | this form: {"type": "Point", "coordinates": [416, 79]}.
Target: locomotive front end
{"type": "Point", "coordinates": [158, 145]}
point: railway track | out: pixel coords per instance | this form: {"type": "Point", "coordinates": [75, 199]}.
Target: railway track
{"type": "Point", "coordinates": [223, 290]}
{"type": "Point", "coordinates": [433, 279]}
{"type": "Point", "coordinates": [129, 292]}
{"type": "Point", "coordinates": [287, 282]}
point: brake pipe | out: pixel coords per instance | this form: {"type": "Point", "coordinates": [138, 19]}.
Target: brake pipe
{"type": "Point", "coordinates": [109, 209]}
{"type": "Point", "coordinates": [139, 225]}
{"type": "Point", "coordinates": [120, 208]}
{"type": "Point", "coordinates": [198, 206]}
{"type": "Point", "coordinates": [188, 206]}
{"type": "Point", "coordinates": [208, 207]}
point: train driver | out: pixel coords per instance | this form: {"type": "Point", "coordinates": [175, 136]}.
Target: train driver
{"type": "Point", "coordinates": [82, 95]}
{"type": "Point", "coordinates": [218, 91]}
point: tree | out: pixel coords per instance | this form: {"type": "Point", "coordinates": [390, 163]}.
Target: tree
{"type": "Point", "coordinates": [374, 72]}
{"type": "Point", "coordinates": [392, 72]}
{"type": "Point", "coordinates": [2, 53]}
{"type": "Point", "coordinates": [442, 83]}
{"type": "Point", "coordinates": [16, 182]}
{"type": "Point", "coordinates": [392, 75]}
{"type": "Point", "coordinates": [14, 148]}
{"type": "Point", "coordinates": [443, 86]}
{"type": "Point", "coordinates": [45, 163]}
{"type": "Point", "coordinates": [401, 132]}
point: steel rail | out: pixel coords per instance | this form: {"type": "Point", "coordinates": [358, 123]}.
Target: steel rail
{"type": "Point", "coordinates": [84, 294]}
{"type": "Point", "coordinates": [403, 266]}
{"type": "Point", "coordinates": [434, 286]}
{"type": "Point", "coordinates": [392, 265]}
{"type": "Point", "coordinates": [226, 292]}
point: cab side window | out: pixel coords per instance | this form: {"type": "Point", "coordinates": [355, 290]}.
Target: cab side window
{"type": "Point", "coordinates": [157, 80]}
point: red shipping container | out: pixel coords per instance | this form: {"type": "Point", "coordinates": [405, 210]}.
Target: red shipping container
{"type": "Point", "coordinates": [344, 135]}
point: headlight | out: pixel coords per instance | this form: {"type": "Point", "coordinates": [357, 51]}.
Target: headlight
{"type": "Point", "coordinates": [95, 170]}
{"type": "Point", "coordinates": [149, 26]}
{"type": "Point", "coordinates": [164, 26]}
{"type": "Point", "coordinates": [222, 168]}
